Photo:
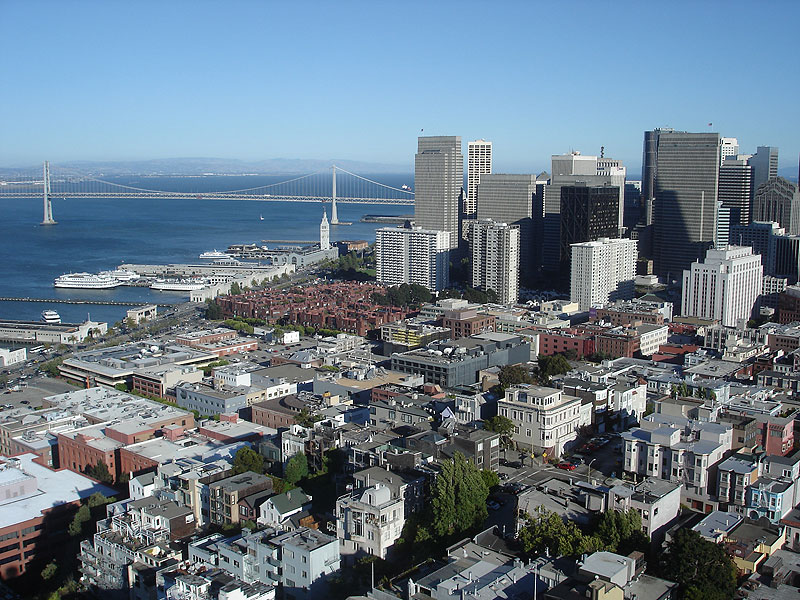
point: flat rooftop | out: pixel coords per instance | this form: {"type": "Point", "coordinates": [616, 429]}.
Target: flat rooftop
{"type": "Point", "coordinates": [53, 488]}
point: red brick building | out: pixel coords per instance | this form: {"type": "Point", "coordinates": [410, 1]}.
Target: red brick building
{"type": "Point", "coordinates": [467, 322]}
{"type": "Point", "coordinates": [37, 505]}
{"type": "Point", "coordinates": [561, 341]}
{"type": "Point", "coordinates": [617, 344]}
{"type": "Point", "coordinates": [272, 413]}
{"type": "Point", "coordinates": [208, 336]}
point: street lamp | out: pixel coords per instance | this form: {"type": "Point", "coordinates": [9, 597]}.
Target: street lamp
{"type": "Point", "coordinates": [589, 476]}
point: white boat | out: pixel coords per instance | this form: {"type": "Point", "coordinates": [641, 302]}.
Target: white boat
{"type": "Point", "coordinates": [260, 217]}
{"type": "Point", "coordinates": [178, 285]}
{"type": "Point", "coordinates": [214, 255]}
{"type": "Point", "coordinates": [121, 274]}
{"type": "Point", "coordinates": [51, 317]}
{"type": "Point", "coordinates": [86, 281]}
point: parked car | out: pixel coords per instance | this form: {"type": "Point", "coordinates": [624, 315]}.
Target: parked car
{"type": "Point", "coordinates": [566, 466]}
{"type": "Point", "coordinates": [492, 505]}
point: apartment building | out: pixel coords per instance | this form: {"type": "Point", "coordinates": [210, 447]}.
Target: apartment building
{"type": "Point", "coordinates": [369, 521]}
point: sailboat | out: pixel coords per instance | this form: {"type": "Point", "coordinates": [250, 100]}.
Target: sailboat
{"type": "Point", "coordinates": [260, 217]}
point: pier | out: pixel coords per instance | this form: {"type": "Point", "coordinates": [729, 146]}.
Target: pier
{"type": "Point", "coordinates": [97, 302]}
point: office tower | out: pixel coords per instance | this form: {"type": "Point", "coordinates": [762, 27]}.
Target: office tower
{"type": "Point", "coordinates": [765, 165]}
{"type": "Point", "coordinates": [735, 189]}
{"type": "Point", "coordinates": [602, 271]}
{"type": "Point", "coordinates": [778, 200]}
{"type": "Point", "coordinates": [780, 253]}
{"type": "Point", "coordinates": [510, 199]}
{"type": "Point", "coordinates": [725, 287]}
{"type": "Point", "coordinates": [324, 232]}
{"type": "Point", "coordinates": [727, 147]}
{"type": "Point", "coordinates": [588, 213]}
{"type": "Point", "coordinates": [495, 258]}
{"type": "Point", "coordinates": [685, 200]}
{"type": "Point", "coordinates": [413, 255]}
{"type": "Point", "coordinates": [632, 209]}
{"type": "Point", "coordinates": [479, 162]}
{"type": "Point", "coordinates": [787, 258]}
{"type": "Point", "coordinates": [649, 164]}
{"type": "Point", "coordinates": [438, 183]}
{"type": "Point", "coordinates": [723, 227]}
{"type": "Point", "coordinates": [572, 169]}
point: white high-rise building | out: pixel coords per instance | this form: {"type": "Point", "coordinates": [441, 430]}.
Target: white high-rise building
{"type": "Point", "coordinates": [725, 287]}
{"type": "Point", "coordinates": [495, 258]}
{"type": "Point", "coordinates": [727, 147]}
{"type": "Point", "coordinates": [413, 255]}
{"type": "Point", "coordinates": [324, 232]}
{"type": "Point", "coordinates": [602, 271]}
{"type": "Point", "coordinates": [479, 162]}
{"type": "Point", "coordinates": [438, 184]}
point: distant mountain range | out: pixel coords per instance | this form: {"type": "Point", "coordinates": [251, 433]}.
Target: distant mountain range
{"type": "Point", "coordinates": [217, 166]}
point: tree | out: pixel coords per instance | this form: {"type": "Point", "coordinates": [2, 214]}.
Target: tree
{"type": "Point", "coordinates": [502, 425]}
{"type": "Point", "coordinates": [306, 419]}
{"type": "Point", "coordinates": [459, 497]}
{"type": "Point", "coordinates": [547, 532]}
{"type": "Point", "coordinates": [213, 311]}
{"type": "Point", "coordinates": [236, 289]}
{"type": "Point", "coordinates": [513, 375]}
{"type": "Point", "coordinates": [82, 516]}
{"type": "Point", "coordinates": [553, 365]}
{"type": "Point", "coordinates": [100, 472]}
{"type": "Point", "coordinates": [702, 568]}
{"type": "Point", "coordinates": [296, 468]}
{"type": "Point", "coordinates": [490, 478]}
{"type": "Point", "coordinates": [247, 459]}
{"type": "Point", "coordinates": [98, 499]}
{"type": "Point", "coordinates": [621, 532]}
{"type": "Point", "coordinates": [50, 570]}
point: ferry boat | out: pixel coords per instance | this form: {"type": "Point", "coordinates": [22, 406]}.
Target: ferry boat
{"type": "Point", "coordinates": [86, 281]}
{"type": "Point", "coordinates": [122, 275]}
{"type": "Point", "coordinates": [51, 317]}
{"type": "Point", "coordinates": [178, 285]}
{"type": "Point", "coordinates": [216, 254]}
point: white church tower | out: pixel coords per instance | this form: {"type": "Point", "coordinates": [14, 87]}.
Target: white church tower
{"type": "Point", "coordinates": [324, 232]}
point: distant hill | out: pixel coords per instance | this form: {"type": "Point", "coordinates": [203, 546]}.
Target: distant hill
{"type": "Point", "coordinates": [218, 166]}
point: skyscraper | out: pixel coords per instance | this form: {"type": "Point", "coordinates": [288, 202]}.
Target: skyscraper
{"type": "Point", "coordinates": [778, 200]}
{"type": "Point", "coordinates": [479, 162]}
{"type": "Point", "coordinates": [685, 199]}
{"type": "Point", "coordinates": [413, 255]}
{"type": "Point", "coordinates": [587, 214]}
{"type": "Point", "coordinates": [649, 163]}
{"type": "Point", "coordinates": [765, 165]}
{"type": "Point", "coordinates": [725, 287]}
{"type": "Point", "coordinates": [438, 182]}
{"type": "Point", "coordinates": [509, 199]}
{"type": "Point", "coordinates": [727, 147]}
{"type": "Point", "coordinates": [572, 169]}
{"type": "Point", "coordinates": [735, 188]}
{"type": "Point", "coordinates": [601, 271]}
{"type": "Point", "coordinates": [495, 258]}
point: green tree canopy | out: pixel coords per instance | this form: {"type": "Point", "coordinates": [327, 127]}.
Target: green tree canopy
{"type": "Point", "coordinates": [458, 497]}
{"type": "Point", "coordinates": [247, 459]}
{"type": "Point", "coordinates": [621, 532]}
{"type": "Point", "coordinates": [513, 375]}
{"type": "Point", "coordinates": [100, 472]}
{"type": "Point", "coordinates": [296, 468]}
{"type": "Point", "coordinates": [556, 364]}
{"type": "Point", "coordinates": [490, 478]}
{"type": "Point", "coordinates": [82, 516]}
{"type": "Point", "coordinates": [702, 568]}
{"type": "Point", "coordinates": [546, 532]}
{"type": "Point", "coordinates": [213, 311]}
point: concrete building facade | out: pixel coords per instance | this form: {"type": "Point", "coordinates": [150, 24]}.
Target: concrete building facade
{"type": "Point", "coordinates": [496, 258]}
{"type": "Point", "coordinates": [413, 255]}
{"type": "Point", "coordinates": [602, 271]}
{"type": "Point", "coordinates": [438, 181]}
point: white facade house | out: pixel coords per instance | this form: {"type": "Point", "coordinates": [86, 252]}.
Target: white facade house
{"type": "Point", "coordinates": [495, 258]}
{"type": "Point", "coordinates": [602, 271]}
{"type": "Point", "coordinates": [545, 419]}
{"type": "Point", "coordinates": [651, 337]}
{"type": "Point", "coordinates": [307, 556]}
{"type": "Point", "coordinates": [725, 287]}
{"type": "Point", "coordinates": [479, 162]}
{"type": "Point", "coordinates": [369, 520]}
{"type": "Point", "coordinates": [413, 255]}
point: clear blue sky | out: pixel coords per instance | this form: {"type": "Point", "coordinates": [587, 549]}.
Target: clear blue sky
{"type": "Point", "coordinates": [359, 80]}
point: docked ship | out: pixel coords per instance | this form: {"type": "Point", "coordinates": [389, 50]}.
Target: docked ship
{"type": "Point", "coordinates": [178, 285]}
{"type": "Point", "coordinates": [51, 317]}
{"type": "Point", "coordinates": [86, 281]}
{"type": "Point", "coordinates": [122, 275]}
{"type": "Point", "coordinates": [215, 255]}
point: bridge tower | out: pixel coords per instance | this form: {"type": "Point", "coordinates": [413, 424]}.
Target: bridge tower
{"type": "Point", "coordinates": [334, 214]}
{"type": "Point", "coordinates": [48, 206]}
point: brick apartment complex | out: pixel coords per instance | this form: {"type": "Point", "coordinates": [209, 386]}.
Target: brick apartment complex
{"type": "Point", "coordinates": [467, 322]}
{"type": "Point", "coordinates": [553, 341]}
{"type": "Point", "coordinates": [344, 306]}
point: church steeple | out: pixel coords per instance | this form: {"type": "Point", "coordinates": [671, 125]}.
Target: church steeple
{"type": "Point", "coordinates": [324, 232]}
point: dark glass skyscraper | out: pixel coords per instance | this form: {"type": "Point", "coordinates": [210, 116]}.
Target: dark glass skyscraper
{"type": "Point", "coordinates": [587, 213]}
{"type": "Point", "coordinates": [685, 200]}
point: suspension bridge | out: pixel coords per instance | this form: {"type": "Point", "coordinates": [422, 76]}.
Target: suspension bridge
{"type": "Point", "coordinates": [321, 186]}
